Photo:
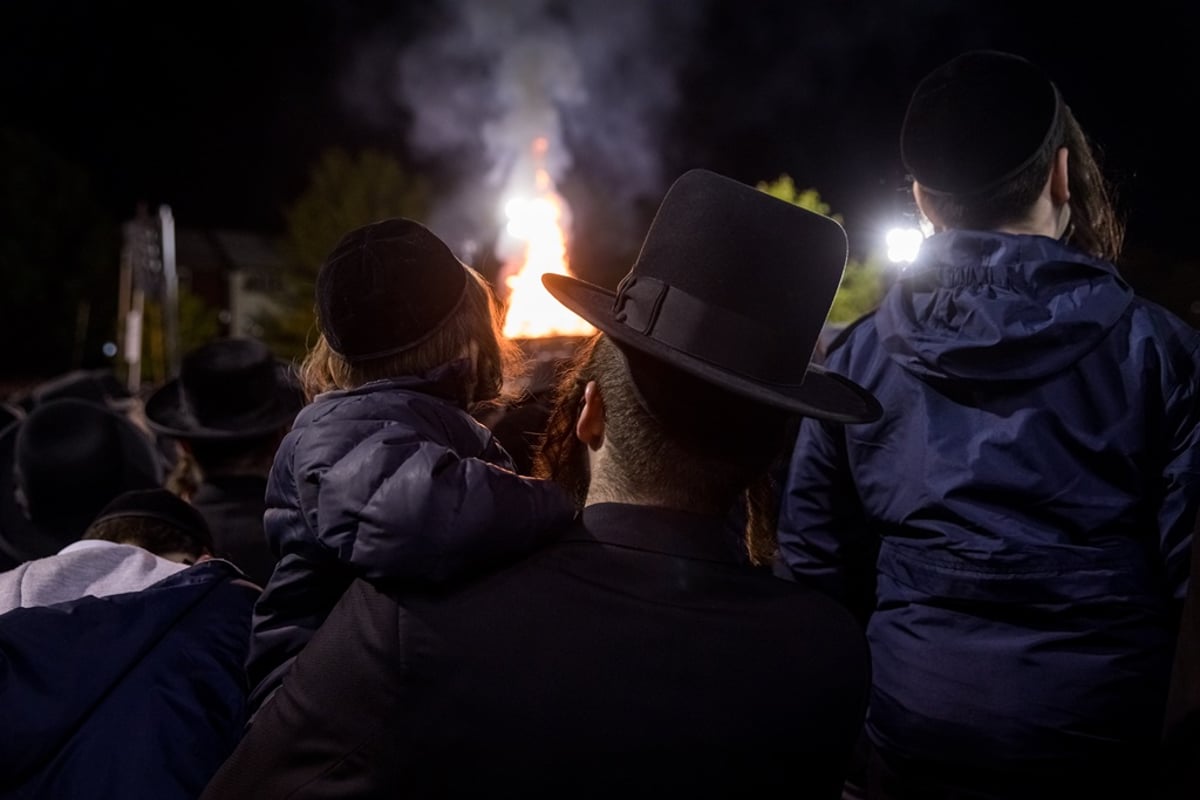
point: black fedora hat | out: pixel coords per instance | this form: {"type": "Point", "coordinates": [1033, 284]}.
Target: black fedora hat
{"type": "Point", "coordinates": [732, 286]}
{"type": "Point", "coordinates": [979, 120]}
{"type": "Point", "coordinates": [98, 385]}
{"type": "Point", "coordinates": [69, 457]}
{"type": "Point", "coordinates": [231, 388]}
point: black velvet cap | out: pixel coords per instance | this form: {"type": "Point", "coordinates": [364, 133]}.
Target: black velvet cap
{"type": "Point", "coordinates": [387, 287]}
{"type": "Point", "coordinates": [977, 121]}
{"type": "Point", "coordinates": [164, 506]}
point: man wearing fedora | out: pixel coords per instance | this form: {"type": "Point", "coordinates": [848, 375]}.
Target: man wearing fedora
{"type": "Point", "coordinates": [231, 405]}
{"type": "Point", "coordinates": [1023, 510]}
{"type": "Point", "coordinates": [59, 465]}
{"type": "Point", "coordinates": [637, 654]}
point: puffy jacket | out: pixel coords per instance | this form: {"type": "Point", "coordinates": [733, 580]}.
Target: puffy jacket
{"type": "Point", "coordinates": [1024, 506]}
{"type": "Point", "coordinates": [392, 481]}
{"type": "Point", "coordinates": [137, 695]}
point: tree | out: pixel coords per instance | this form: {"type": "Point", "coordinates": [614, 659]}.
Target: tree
{"type": "Point", "coordinates": [862, 284]}
{"type": "Point", "coordinates": [344, 192]}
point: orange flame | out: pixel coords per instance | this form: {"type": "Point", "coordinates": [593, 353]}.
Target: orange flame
{"type": "Point", "coordinates": [538, 221]}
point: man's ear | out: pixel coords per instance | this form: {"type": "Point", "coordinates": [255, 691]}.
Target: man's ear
{"type": "Point", "coordinates": [589, 427]}
{"type": "Point", "coordinates": [926, 211]}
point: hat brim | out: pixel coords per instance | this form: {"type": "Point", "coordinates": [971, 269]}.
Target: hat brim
{"type": "Point", "coordinates": [166, 412]}
{"type": "Point", "coordinates": [823, 394]}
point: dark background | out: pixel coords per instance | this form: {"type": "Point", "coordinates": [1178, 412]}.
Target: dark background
{"type": "Point", "coordinates": [220, 108]}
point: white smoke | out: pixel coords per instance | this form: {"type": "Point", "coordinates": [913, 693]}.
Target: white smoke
{"type": "Point", "coordinates": [484, 78]}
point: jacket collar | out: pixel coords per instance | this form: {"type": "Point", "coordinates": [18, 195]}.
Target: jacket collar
{"type": "Point", "coordinates": [659, 530]}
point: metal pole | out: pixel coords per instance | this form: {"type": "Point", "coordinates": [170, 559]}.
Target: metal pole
{"type": "Point", "coordinates": [124, 293]}
{"type": "Point", "coordinates": [133, 341]}
{"type": "Point", "coordinates": [170, 290]}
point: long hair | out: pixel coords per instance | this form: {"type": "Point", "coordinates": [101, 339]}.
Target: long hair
{"type": "Point", "coordinates": [1096, 227]}
{"type": "Point", "coordinates": [657, 463]}
{"type": "Point", "coordinates": [479, 319]}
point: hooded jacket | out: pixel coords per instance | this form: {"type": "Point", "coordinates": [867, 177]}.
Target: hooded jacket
{"type": "Point", "coordinates": [392, 481]}
{"type": "Point", "coordinates": [1023, 509]}
{"type": "Point", "coordinates": [132, 695]}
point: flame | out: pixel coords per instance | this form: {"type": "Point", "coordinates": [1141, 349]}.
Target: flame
{"type": "Point", "coordinates": [539, 221]}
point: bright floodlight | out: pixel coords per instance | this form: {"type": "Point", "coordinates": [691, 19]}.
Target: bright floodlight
{"type": "Point", "coordinates": [903, 244]}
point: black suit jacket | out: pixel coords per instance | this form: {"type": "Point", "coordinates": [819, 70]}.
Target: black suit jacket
{"type": "Point", "coordinates": [633, 657]}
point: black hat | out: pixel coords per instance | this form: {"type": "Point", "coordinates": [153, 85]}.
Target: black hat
{"type": "Point", "coordinates": [69, 457]}
{"type": "Point", "coordinates": [979, 120]}
{"type": "Point", "coordinates": [97, 385]}
{"type": "Point", "coordinates": [732, 286]}
{"type": "Point", "coordinates": [227, 389]}
{"type": "Point", "coordinates": [163, 505]}
{"type": "Point", "coordinates": [387, 287]}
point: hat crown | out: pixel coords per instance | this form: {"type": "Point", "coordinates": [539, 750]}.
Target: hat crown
{"type": "Point", "coordinates": [73, 456]}
{"type": "Point", "coordinates": [978, 120]}
{"type": "Point", "coordinates": [698, 280]}
{"type": "Point", "coordinates": [386, 287]}
{"type": "Point", "coordinates": [226, 379]}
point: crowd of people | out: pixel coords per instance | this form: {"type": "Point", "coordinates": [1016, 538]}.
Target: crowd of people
{"type": "Point", "coordinates": [946, 556]}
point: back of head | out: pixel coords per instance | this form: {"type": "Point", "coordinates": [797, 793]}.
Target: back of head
{"type": "Point", "coordinates": [691, 444]}
{"type": "Point", "coordinates": [61, 464]}
{"type": "Point", "coordinates": [980, 135]}
{"type": "Point", "coordinates": [705, 355]}
{"type": "Point", "coordinates": [99, 386]}
{"type": "Point", "coordinates": [156, 520]}
{"type": "Point", "coordinates": [393, 300]}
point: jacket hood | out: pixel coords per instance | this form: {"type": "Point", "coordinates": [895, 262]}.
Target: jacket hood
{"type": "Point", "coordinates": [999, 307]}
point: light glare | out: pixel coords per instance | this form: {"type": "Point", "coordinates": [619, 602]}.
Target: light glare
{"type": "Point", "coordinates": [903, 244]}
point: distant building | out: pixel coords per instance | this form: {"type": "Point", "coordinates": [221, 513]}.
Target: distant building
{"type": "Point", "coordinates": [236, 272]}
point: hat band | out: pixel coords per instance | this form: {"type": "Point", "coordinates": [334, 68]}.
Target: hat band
{"type": "Point", "coordinates": [710, 333]}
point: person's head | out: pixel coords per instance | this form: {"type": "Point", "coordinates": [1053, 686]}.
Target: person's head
{"type": "Point", "coordinates": [156, 520]}
{"type": "Point", "coordinates": [60, 465]}
{"type": "Point", "coordinates": [230, 406]}
{"type": "Point", "coordinates": [97, 385]}
{"type": "Point", "coordinates": [393, 300]}
{"type": "Point", "coordinates": [991, 144]}
{"type": "Point", "coordinates": [703, 363]}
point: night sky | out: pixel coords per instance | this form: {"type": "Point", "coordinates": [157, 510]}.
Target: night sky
{"type": "Point", "coordinates": [220, 108]}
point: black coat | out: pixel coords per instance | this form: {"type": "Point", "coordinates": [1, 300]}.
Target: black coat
{"type": "Point", "coordinates": [233, 506]}
{"type": "Point", "coordinates": [633, 657]}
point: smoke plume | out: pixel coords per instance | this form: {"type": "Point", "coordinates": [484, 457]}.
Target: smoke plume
{"type": "Point", "coordinates": [483, 79]}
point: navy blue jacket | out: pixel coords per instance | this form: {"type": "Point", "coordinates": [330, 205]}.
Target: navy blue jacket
{"type": "Point", "coordinates": [1024, 506]}
{"type": "Point", "coordinates": [392, 481]}
{"type": "Point", "coordinates": [138, 695]}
